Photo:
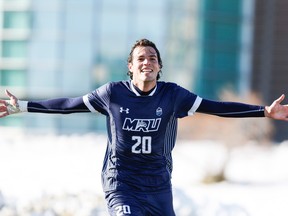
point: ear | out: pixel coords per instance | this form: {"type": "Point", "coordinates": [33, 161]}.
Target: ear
{"type": "Point", "coordinates": [130, 66]}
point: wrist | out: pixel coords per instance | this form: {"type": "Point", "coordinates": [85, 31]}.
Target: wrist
{"type": "Point", "coordinates": [23, 106]}
{"type": "Point", "coordinates": [267, 111]}
{"type": "Point", "coordinates": [20, 106]}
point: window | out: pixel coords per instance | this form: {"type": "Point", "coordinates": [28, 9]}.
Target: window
{"type": "Point", "coordinates": [16, 20]}
{"type": "Point", "coordinates": [12, 77]}
{"type": "Point", "coordinates": [14, 49]}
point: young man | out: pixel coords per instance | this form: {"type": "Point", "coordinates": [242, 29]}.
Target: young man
{"type": "Point", "coordinates": [142, 118]}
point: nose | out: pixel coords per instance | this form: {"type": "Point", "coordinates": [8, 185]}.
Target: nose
{"type": "Point", "coordinates": [146, 61]}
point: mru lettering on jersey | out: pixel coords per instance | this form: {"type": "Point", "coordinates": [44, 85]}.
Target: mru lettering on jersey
{"type": "Point", "coordinates": [145, 125]}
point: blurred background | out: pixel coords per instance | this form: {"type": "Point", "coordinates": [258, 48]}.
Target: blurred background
{"type": "Point", "coordinates": [60, 48]}
{"type": "Point", "coordinates": [219, 49]}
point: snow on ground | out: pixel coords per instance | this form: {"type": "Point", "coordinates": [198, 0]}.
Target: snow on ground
{"type": "Point", "coordinates": [41, 171]}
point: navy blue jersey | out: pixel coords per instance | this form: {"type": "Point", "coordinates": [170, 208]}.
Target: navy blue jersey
{"type": "Point", "coordinates": [141, 129]}
{"type": "Point", "coordinates": [141, 133]}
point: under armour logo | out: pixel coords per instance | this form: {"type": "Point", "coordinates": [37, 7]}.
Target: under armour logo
{"type": "Point", "coordinates": [124, 110]}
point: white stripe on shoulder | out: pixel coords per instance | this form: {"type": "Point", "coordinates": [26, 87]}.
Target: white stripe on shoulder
{"type": "Point", "coordinates": [152, 93]}
{"type": "Point", "coordinates": [195, 106]}
{"type": "Point", "coordinates": [133, 89]}
{"type": "Point", "coordinates": [88, 104]}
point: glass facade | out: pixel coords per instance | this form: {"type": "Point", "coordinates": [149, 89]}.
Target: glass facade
{"type": "Point", "coordinates": [182, 46]}
{"type": "Point", "coordinates": [67, 48]}
{"type": "Point", "coordinates": [14, 48]}
{"type": "Point", "coordinates": [15, 25]}
{"type": "Point", "coordinates": [221, 47]}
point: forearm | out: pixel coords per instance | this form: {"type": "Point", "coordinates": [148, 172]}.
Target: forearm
{"type": "Point", "coordinates": [231, 109]}
{"type": "Point", "coordinates": [59, 105]}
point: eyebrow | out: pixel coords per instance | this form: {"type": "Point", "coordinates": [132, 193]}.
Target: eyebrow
{"type": "Point", "coordinates": [150, 54]}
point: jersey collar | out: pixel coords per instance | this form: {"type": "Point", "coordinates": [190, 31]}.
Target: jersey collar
{"type": "Point", "coordinates": [137, 93]}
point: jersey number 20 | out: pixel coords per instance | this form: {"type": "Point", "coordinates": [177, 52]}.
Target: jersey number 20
{"type": "Point", "coordinates": [143, 145]}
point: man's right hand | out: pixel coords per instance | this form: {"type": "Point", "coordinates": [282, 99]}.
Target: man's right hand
{"type": "Point", "coordinates": [8, 107]}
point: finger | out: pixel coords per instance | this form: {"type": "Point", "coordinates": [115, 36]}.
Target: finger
{"type": "Point", "coordinates": [9, 94]}
{"type": "Point", "coordinates": [3, 114]}
{"type": "Point", "coordinates": [280, 99]}
{"type": "Point", "coordinates": [3, 108]}
{"type": "Point", "coordinates": [13, 98]}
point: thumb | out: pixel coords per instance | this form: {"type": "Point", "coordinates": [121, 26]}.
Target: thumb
{"type": "Point", "coordinates": [13, 98]}
{"type": "Point", "coordinates": [280, 99]}
{"type": "Point", "coordinates": [8, 93]}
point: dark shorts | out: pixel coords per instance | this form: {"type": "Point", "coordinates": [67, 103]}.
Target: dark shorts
{"type": "Point", "coordinates": [122, 203]}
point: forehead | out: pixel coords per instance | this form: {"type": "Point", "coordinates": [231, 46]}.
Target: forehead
{"type": "Point", "coordinates": [144, 50]}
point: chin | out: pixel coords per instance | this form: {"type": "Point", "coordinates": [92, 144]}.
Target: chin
{"type": "Point", "coordinates": [148, 78]}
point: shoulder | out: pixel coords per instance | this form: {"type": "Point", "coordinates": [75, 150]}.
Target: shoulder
{"type": "Point", "coordinates": [118, 84]}
{"type": "Point", "coordinates": [169, 86]}
{"type": "Point", "coordinates": [176, 91]}
{"type": "Point", "coordinates": [163, 84]}
{"type": "Point", "coordinates": [113, 85]}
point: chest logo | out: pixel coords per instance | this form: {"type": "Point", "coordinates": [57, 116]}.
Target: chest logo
{"type": "Point", "coordinates": [124, 110]}
{"type": "Point", "coordinates": [159, 111]}
{"type": "Point", "coordinates": [145, 125]}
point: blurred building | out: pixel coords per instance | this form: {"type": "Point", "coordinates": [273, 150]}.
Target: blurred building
{"type": "Point", "coordinates": [270, 66]}
{"type": "Point", "coordinates": [212, 40]}
{"type": "Point", "coordinates": [60, 48]}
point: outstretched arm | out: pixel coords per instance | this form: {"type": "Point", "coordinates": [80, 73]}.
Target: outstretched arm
{"type": "Point", "coordinates": [59, 105]}
{"type": "Point", "coordinates": [230, 109]}
{"type": "Point", "coordinates": [276, 110]}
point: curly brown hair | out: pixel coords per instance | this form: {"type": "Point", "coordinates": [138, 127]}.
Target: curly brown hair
{"type": "Point", "coordinates": [144, 43]}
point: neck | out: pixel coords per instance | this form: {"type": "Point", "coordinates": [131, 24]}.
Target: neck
{"type": "Point", "coordinates": [145, 86]}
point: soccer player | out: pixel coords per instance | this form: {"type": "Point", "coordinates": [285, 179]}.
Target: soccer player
{"type": "Point", "coordinates": [142, 118]}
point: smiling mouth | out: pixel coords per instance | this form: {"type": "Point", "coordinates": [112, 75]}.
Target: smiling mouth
{"type": "Point", "coordinates": [146, 71]}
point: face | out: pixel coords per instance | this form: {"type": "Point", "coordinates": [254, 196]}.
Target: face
{"type": "Point", "coordinates": [144, 66]}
